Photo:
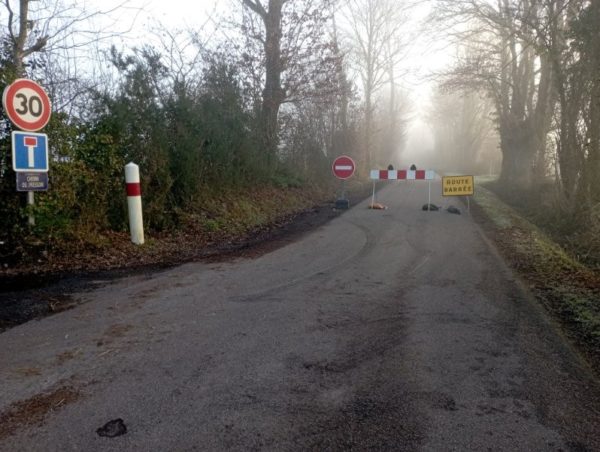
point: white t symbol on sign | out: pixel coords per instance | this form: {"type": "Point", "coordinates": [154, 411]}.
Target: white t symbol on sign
{"type": "Point", "coordinates": [30, 144]}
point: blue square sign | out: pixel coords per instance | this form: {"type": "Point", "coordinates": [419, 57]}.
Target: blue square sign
{"type": "Point", "coordinates": [30, 152]}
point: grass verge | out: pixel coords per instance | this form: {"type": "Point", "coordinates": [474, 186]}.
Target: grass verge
{"type": "Point", "coordinates": [567, 289]}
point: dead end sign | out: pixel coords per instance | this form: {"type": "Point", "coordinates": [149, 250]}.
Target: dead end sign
{"type": "Point", "coordinates": [343, 167]}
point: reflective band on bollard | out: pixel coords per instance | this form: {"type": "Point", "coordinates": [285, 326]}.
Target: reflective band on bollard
{"type": "Point", "coordinates": [134, 203]}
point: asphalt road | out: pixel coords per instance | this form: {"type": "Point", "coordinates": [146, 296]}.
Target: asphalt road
{"type": "Point", "coordinates": [383, 330]}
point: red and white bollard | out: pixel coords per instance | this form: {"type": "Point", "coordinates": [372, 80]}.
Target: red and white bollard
{"type": "Point", "coordinates": [134, 203]}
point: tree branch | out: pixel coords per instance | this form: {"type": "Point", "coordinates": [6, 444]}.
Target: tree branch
{"type": "Point", "coordinates": [257, 7]}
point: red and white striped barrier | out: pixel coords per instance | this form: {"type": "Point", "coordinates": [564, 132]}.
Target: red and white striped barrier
{"type": "Point", "coordinates": [134, 203]}
{"type": "Point", "coordinates": [427, 175]}
{"type": "Point", "coordinates": [402, 174]}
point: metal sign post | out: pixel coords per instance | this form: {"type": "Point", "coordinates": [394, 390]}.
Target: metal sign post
{"type": "Point", "coordinates": [343, 168]}
{"type": "Point", "coordinates": [30, 157]}
{"type": "Point", "coordinates": [30, 202]}
{"type": "Point", "coordinates": [27, 105]}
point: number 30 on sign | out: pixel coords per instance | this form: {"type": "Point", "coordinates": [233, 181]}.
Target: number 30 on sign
{"type": "Point", "coordinates": [27, 105]}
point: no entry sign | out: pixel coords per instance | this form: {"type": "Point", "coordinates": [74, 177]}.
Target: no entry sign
{"type": "Point", "coordinates": [26, 104]}
{"type": "Point", "coordinates": [343, 167]}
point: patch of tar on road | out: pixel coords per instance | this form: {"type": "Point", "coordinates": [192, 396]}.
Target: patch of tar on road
{"type": "Point", "coordinates": [112, 429]}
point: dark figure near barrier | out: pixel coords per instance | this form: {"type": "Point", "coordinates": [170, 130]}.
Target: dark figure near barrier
{"type": "Point", "coordinates": [390, 167]}
{"type": "Point", "coordinates": [413, 167]}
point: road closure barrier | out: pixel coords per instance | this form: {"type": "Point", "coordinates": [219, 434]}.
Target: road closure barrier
{"type": "Point", "coordinates": [377, 175]}
{"type": "Point", "coordinates": [402, 175]}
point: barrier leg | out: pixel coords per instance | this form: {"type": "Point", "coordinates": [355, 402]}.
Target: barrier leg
{"type": "Point", "coordinates": [429, 198]}
{"type": "Point", "coordinates": [373, 198]}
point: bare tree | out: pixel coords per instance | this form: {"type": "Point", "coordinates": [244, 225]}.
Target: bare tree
{"type": "Point", "coordinates": [19, 31]}
{"type": "Point", "coordinates": [34, 25]}
{"type": "Point", "coordinates": [273, 94]}
{"type": "Point", "coordinates": [504, 60]}
{"type": "Point", "coordinates": [377, 39]}
{"type": "Point", "coordinates": [593, 157]}
{"type": "Point", "coordinates": [574, 52]}
{"type": "Point", "coordinates": [298, 58]}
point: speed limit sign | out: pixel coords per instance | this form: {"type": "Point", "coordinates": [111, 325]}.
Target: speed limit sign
{"type": "Point", "coordinates": [26, 104]}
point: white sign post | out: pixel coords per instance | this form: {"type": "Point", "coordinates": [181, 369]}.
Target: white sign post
{"type": "Point", "coordinates": [134, 203]}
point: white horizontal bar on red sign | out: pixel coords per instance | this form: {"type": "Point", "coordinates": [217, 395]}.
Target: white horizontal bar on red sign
{"type": "Point", "coordinates": [344, 167]}
{"type": "Point", "coordinates": [402, 174]}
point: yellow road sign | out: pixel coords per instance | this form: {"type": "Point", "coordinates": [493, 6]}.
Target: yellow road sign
{"type": "Point", "coordinates": [457, 185]}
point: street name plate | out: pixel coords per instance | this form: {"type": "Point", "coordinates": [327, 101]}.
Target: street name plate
{"type": "Point", "coordinates": [32, 181]}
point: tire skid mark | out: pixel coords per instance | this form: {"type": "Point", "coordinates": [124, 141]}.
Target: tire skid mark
{"type": "Point", "coordinates": [320, 273]}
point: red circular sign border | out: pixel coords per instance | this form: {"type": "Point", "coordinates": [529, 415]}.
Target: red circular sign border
{"type": "Point", "coordinates": [10, 92]}
{"type": "Point", "coordinates": [339, 158]}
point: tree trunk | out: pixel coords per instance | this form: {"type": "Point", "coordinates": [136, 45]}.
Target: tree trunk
{"type": "Point", "coordinates": [273, 94]}
{"type": "Point", "coordinates": [594, 127]}
{"type": "Point", "coordinates": [18, 40]}
{"type": "Point", "coordinates": [518, 148]}
{"type": "Point", "coordinates": [542, 116]}
{"type": "Point", "coordinates": [21, 38]}
{"type": "Point", "coordinates": [593, 160]}
{"type": "Point", "coordinates": [368, 128]}
{"type": "Point", "coordinates": [569, 149]}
